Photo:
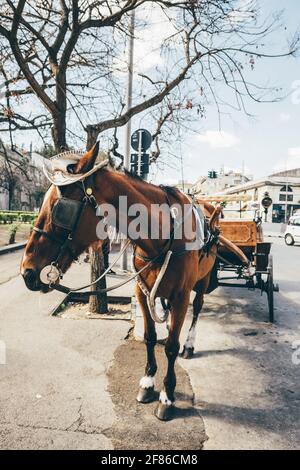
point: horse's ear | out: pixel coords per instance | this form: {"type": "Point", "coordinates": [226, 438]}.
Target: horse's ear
{"type": "Point", "coordinates": [87, 161]}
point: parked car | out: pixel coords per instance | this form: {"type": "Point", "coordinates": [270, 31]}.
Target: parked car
{"type": "Point", "coordinates": [292, 233]}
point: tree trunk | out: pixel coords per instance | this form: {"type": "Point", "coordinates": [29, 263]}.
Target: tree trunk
{"type": "Point", "coordinates": [59, 132]}
{"type": "Point", "coordinates": [92, 136]}
{"type": "Point", "coordinates": [11, 190]}
{"type": "Point", "coordinates": [98, 304]}
{"type": "Point", "coordinates": [12, 239]}
{"type": "Point", "coordinates": [59, 118]}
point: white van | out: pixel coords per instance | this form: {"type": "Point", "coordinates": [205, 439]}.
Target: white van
{"type": "Point", "coordinates": [292, 233]}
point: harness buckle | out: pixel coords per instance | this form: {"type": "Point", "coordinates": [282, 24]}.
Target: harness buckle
{"type": "Point", "coordinates": [50, 274]}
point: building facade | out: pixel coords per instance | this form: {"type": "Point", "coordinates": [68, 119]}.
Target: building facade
{"type": "Point", "coordinates": [225, 180]}
{"type": "Point", "coordinates": [184, 186]}
{"type": "Point", "coordinates": [283, 188]}
{"type": "Point", "coordinates": [22, 182]}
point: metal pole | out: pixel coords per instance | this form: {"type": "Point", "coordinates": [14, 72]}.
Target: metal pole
{"type": "Point", "coordinates": [286, 193]}
{"type": "Point", "coordinates": [128, 106]}
{"type": "Point", "coordinates": [140, 154]}
{"type": "Point", "coordinates": [286, 201]}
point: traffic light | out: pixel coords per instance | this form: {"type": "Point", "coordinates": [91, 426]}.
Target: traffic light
{"type": "Point", "coordinates": [212, 174]}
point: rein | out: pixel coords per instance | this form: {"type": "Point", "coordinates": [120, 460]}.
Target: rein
{"type": "Point", "coordinates": [51, 273]}
{"type": "Point", "coordinates": [66, 214]}
{"type": "Point", "coordinates": [67, 290]}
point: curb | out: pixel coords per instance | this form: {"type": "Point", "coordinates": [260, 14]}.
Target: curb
{"type": "Point", "coordinates": [11, 248]}
{"type": "Point", "coordinates": [274, 235]}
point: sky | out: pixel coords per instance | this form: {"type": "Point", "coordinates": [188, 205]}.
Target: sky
{"type": "Point", "coordinates": [266, 142]}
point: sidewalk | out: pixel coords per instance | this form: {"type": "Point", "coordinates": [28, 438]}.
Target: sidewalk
{"type": "Point", "coordinates": [54, 384]}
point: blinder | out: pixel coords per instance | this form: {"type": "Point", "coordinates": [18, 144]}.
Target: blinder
{"type": "Point", "coordinates": [66, 213]}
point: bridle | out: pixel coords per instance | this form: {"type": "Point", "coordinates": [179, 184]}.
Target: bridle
{"type": "Point", "coordinates": [66, 214]}
{"type": "Point", "coordinates": [63, 207]}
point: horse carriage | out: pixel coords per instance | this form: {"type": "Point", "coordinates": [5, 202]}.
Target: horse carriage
{"type": "Point", "coordinates": [242, 241]}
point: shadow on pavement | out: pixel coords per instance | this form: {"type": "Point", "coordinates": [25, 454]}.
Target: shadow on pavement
{"type": "Point", "coordinates": [136, 426]}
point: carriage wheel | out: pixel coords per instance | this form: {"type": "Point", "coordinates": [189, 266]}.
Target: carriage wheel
{"type": "Point", "coordinates": [270, 289]}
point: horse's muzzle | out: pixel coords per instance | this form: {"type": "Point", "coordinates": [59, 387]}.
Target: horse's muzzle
{"type": "Point", "coordinates": [32, 279]}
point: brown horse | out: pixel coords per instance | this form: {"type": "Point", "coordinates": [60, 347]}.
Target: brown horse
{"type": "Point", "coordinates": [186, 271]}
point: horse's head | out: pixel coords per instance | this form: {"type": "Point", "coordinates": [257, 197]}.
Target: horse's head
{"type": "Point", "coordinates": [65, 227]}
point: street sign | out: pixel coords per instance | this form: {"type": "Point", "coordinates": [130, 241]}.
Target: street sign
{"type": "Point", "coordinates": [139, 166]}
{"type": "Point", "coordinates": [266, 201]}
{"type": "Point", "coordinates": [141, 140]}
{"type": "Point", "coordinates": [139, 162]}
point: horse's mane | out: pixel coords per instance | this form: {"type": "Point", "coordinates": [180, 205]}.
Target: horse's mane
{"type": "Point", "coordinates": [171, 190]}
{"type": "Point", "coordinates": [132, 175]}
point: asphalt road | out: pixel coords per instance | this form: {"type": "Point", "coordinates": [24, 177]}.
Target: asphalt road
{"type": "Point", "coordinates": [245, 383]}
{"type": "Point", "coordinates": [55, 390]}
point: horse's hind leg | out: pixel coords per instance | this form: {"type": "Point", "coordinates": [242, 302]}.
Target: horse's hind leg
{"type": "Point", "coordinates": [146, 392]}
{"type": "Point", "coordinates": [189, 345]}
{"type": "Point", "coordinates": [166, 398]}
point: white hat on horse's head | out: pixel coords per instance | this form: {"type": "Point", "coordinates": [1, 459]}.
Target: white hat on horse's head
{"type": "Point", "coordinates": [58, 169]}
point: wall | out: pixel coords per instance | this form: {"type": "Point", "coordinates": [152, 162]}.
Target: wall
{"type": "Point", "coordinates": [210, 186]}
{"type": "Point", "coordinates": [4, 199]}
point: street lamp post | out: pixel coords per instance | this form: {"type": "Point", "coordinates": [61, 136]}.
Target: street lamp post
{"type": "Point", "coordinates": [286, 201]}
{"type": "Point", "coordinates": [266, 203]}
{"type": "Point", "coordinates": [128, 106]}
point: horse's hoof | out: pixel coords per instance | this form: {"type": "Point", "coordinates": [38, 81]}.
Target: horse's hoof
{"type": "Point", "coordinates": [146, 395]}
{"type": "Point", "coordinates": [187, 353]}
{"type": "Point", "coordinates": [164, 412]}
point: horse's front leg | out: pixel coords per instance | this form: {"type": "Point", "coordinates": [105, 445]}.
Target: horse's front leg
{"type": "Point", "coordinates": [146, 392]}
{"type": "Point", "coordinates": [179, 307]}
{"type": "Point", "coordinates": [188, 348]}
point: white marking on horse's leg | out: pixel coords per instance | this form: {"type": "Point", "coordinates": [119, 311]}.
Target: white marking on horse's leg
{"type": "Point", "coordinates": [164, 400]}
{"type": "Point", "coordinates": [190, 341]}
{"type": "Point", "coordinates": [147, 382]}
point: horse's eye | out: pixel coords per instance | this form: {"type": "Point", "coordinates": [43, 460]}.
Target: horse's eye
{"type": "Point", "coordinates": [71, 168]}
